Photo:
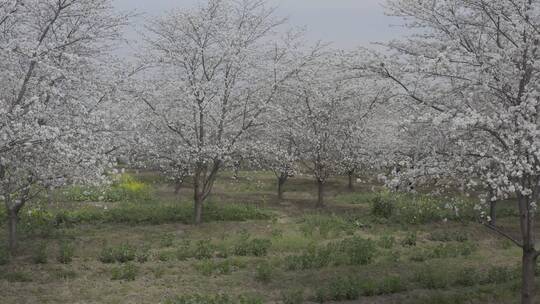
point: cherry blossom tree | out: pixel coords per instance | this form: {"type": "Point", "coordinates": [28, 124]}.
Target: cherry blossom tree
{"type": "Point", "coordinates": [357, 148]}
{"type": "Point", "coordinates": [327, 103]}
{"type": "Point", "coordinates": [278, 151]}
{"type": "Point", "coordinates": [218, 68]}
{"type": "Point", "coordinates": [54, 82]}
{"type": "Point", "coordinates": [473, 66]}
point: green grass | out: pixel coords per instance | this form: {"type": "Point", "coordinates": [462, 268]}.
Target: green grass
{"type": "Point", "coordinates": [356, 198]}
{"type": "Point", "coordinates": [148, 249]}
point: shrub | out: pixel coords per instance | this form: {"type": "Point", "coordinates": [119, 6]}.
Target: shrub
{"type": "Point", "coordinates": [37, 222]}
{"type": "Point", "coordinates": [126, 272]}
{"type": "Point", "coordinates": [350, 251]}
{"type": "Point", "coordinates": [386, 241]}
{"type": "Point", "coordinates": [222, 251]}
{"type": "Point", "coordinates": [324, 225]}
{"type": "Point", "coordinates": [453, 250]}
{"type": "Point", "coordinates": [166, 255]}
{"type": "Point", "coordinates": [107, 255]}
{"type": "Point", "coordinates": [39, 255]}
{"type": "Point", "coordinates": [254, 247]}
{"type": "Point", "coordinates": [312, 258]}
{"type": "Point", "coordinates": [415, 209]}
{"type": "Point", "coordinates": [499, 275]}
{"type": "Point", "coordinates": [65, 274]}
{"type": "Point", "coordinates": [432, 278]}
{"type": "Point", "coordinates": [263, 272]}
{"type": "Point", "coordinates": [391, 285]}
{"type": "Point", "coordinates": [167, 240]}
{"type": "Point", "coordinates": [124, 253]}
{"type": "Point", "coordinates": [203, 250]}
{"type": "Point", "coordinates": [143, 255]}
{"type": "Point", "coordinates": [123, 188]}
{"type": "Point", "coordinates": [383, 206]}
{"type": "Point", "coordinates": [351, 288]}
{"type": "Point", "coordinates": [293, 296]}
{"type": "Point", "coordinates": [184, 252]}
{"type": "Point", "coordinates": [467, 277]}
{"type": "Point", "coordinates": [445, 251]}
{"type": "Point", "coordinates": [358, 251]}
{"type": "Point", "coordinates": [409, 240]}
{"type": "Point", "coordinates": [343, 289]}
{"type": "Point", "coordinates": [66, 252]}
{"type": "Point", "coordinates": [369, 288]}
{"type": "Point", "coordinates": [211, 267]}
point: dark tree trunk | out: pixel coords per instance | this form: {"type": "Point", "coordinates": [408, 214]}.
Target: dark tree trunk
{"type": "Point", "coordinates": [351, 180]}
{"type": "Point", "coordinates": [281, 182]}
{"type": "Point", "coordinates": [236, 171]}
{"type": "Point", "coordinates": [492, 208]}
{"type": "Point", "coordinates": [527, 223]}
{"type": "Point", "coordinates": [13, 219]}
{"type": "Point", "coordinates": [198, 207]}
{"type": "Point", "coordinates": [320, 197]}
{"type": "Point", "coordinates": [198, 196]}
{"type": "Point", "coordinates": [493, 213]}
{"type": "Point", "coordinates": [203, 181]}
{"type": "Point", "coordinates": [528, 278]}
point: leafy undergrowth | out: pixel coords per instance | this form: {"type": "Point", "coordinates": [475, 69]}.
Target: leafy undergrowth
{"type": "Point", "coordinates": [146, 251]}
{"type": "Point", "coordinates": [123, 187]}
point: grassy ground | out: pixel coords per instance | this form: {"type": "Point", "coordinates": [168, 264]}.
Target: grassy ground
{"type": "Point", "coordinates": [275, 252]}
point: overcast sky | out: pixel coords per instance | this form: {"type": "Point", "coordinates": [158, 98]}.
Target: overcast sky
{"type": "Point", "coordinates": [345, 23]}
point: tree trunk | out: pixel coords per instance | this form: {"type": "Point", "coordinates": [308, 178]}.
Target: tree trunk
{"type": "Point", "coordinates": [351, 180]}
{"type": "Point", "coordinates": [236, 171]}
{"type": "Point", "coordinates": [493, 213]}
{"type": "Point", "coordinates": [528, 278]}
{"type": "Point", "coordinates": [492, 207]}
{"type": "Point", "coordinates": [13, 219]}
{"type": "Point", "coordinates": [281, 182]}
{"type": "Point", "coordinates": [198, 206]}
{"type": "Point", "coordinates": [320, 198]}
{"type": "Point", "coordinates": [527, 223]}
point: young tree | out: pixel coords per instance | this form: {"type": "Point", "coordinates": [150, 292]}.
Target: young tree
{"type": "Point", "coordinates": [326, 101]}
{"type": "Point", "coordinates": [279, 154]}
{"type": "Point", "coordinates": [219, 67]}
{"type": "Point", "coordinates": [357, 147]}
{"type": "Point", "coordinates": [473, 66]}
{"type": "Point", "coordinates": [53, 83]}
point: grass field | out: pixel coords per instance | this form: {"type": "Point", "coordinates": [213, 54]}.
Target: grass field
{"type": "Point", "coordinates": [134, 244]}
